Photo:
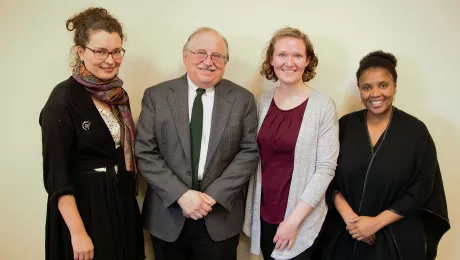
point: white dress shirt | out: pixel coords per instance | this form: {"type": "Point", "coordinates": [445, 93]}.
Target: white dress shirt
{"type": "Point", "coordinates": [208, 104]}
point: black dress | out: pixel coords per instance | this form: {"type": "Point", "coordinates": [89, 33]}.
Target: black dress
{"type": "Point", "coordinates": [401, 174]}
{"type": "Point", "coordinates": [75, 141]}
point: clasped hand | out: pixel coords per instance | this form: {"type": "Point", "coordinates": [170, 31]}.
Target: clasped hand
{"type": "Point", "coordinates": [195, 204]}
{"type": "Point", "coordinates": [363, 228]}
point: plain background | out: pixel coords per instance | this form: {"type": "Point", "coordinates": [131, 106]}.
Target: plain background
{"type": "Point", "coordinates": [34, 49]}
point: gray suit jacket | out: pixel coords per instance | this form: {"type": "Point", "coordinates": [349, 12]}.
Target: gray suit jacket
{"type": "Point", "coordinates": [164, 157]}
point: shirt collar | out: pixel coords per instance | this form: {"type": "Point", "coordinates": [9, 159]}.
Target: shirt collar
{"type": "Point", "coordinates": [193, 87]}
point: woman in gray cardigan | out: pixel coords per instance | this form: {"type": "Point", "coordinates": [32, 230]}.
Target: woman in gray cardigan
{"type": "Point", "coordinates": [298, 141]}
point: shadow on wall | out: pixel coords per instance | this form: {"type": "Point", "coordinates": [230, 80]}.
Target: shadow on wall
{"type": "Point", "coordinates": [330, 74]}
{"type": "Point", "coordinates": [445, 135]}
{"type": "Point", "coordinates": [141, 74]}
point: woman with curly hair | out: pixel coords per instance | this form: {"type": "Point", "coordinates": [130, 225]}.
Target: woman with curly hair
{"type": "Point", "coordinates": [298, 141]}
{"type": "Point", "coordinates": [89, 169]}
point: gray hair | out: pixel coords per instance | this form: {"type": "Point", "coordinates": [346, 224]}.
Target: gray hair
{"type": "Point", "coordinates": [202, 30]}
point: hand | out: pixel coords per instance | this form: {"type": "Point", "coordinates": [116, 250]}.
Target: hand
{"type": "Point", "coordinates": [193, 206]}
{"type": "Point", "coordinates": [369, 240]}
{"type": "Point", "coordinates": [349, 219]}
{"type": "Point", "coordinates": [285, 235]}
{"type": "Point", "coordinates": [206, 198]}
{"type": "Point", "coordinates": [362, 227]}
{"type": "Point", "coordinates": [82, 246]}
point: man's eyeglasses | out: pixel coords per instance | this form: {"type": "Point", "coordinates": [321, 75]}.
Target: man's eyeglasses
{"type": "Point", "coordinates": [215, 57]}
{"type": "Point", "coordinates": [117, 54]}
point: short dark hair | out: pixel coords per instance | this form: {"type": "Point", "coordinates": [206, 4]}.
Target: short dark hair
{"type": "Point", "coordinates": [378, 59]}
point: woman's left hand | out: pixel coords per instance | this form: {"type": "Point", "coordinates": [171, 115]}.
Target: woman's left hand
{"type": "Point", "coordinates": [363, 227]}
{"type": "Point", "coordinates": [285, 235]}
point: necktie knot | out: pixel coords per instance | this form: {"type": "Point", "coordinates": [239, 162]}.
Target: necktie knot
{"type": "Point", "coordinates": [200, 91]}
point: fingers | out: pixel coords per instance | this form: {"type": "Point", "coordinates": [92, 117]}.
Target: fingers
{"type": "Point", "coordinates": [352, 230]}
{"type": "Point", "coordinates": [205, 198]}
{"type": "Point", "coordinates": [208, 199]}
{"type": "Point", "coordinates": [290, 244]}
{"type": "Point", "coordinates": [202, 212]}
{"type": "Point", "coordinates": [372, 239]}
{"type": "Point", "coordinates": [89, 255]}
{"type": "Point", "coordinates": [358, 237]}
{"type": "Point", "coordinates": [82, 256]}
{"type": "Point", "coordinates": [354, 220]}
{"type": "Point", "coordinates": [196, 216]}
{"type": "Point", "coordinates": [283, 245]}
{"type": "Point", "coordinates": [206, 207]}
{"type": "Point", "coordinates": [278, 244]}
{"type": "Point", "coordinates": [367, 241]}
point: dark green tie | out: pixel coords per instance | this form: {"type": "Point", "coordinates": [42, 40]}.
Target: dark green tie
{"type": "Point", "coordinates": [196, 130]}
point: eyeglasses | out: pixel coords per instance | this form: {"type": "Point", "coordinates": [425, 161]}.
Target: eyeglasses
{"type": "Point", "coordinates": [117, 54]}
{"type": "Point", "coordinates": [215, 57]}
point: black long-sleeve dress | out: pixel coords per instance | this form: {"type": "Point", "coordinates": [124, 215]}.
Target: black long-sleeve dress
{"type": "Point", "coordinates": [401, 174]}
{"type": "Point", "coordinates": [75, 141]}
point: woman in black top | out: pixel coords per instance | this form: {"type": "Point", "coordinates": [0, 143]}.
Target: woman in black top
{"type": "Point", "coordinates": [88, 164]}
{"type": "Point", "coordinates": [387, 199]}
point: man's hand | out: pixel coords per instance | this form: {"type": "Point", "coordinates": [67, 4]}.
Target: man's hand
{"type": "Point", "coordinates": [193, 206]}
{"type": "Point", "coordinates": [206, 198]}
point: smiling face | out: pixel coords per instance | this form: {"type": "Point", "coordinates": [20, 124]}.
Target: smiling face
{"type": "Point", "coordinates": [289, 60]}
{"type": "Point", "coordinates": [103, 69]}
{"type": "Point", "coordinates": [207, 72]}
{"type": "Point", "coordinates": [377, 90]}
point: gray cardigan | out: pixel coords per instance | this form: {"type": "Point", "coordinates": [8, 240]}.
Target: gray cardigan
{"type": "Point", "coordinates": [315, 160]}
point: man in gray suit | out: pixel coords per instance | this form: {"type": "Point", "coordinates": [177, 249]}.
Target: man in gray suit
{"type": "Point", "coordinates": [196, 147]}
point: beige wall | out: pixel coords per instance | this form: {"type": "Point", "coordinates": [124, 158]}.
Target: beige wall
{"type": "Point", "coordinates": [35, 46]}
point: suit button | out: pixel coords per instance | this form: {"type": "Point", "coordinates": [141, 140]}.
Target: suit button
{"type": "Point", "coordinates": [189, 173]}
{"type": "Point", "coordinates": [233, 202]}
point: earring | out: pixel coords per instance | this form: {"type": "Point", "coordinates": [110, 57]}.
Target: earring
{"type": "Point", "coordinates": [79, 67]}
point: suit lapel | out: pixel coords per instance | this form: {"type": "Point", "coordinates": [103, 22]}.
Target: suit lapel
{"type": "Point", "coordinates": [178, 103]}
{"type": "Point", "coordinates": [223, 103]}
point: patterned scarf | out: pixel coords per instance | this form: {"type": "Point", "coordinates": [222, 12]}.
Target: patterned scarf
{"type": "Point", "coordinates": [111, 93]}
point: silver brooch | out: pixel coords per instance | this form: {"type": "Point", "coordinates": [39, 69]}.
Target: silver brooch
{"type": "Point", "coordinates": [86, 125]}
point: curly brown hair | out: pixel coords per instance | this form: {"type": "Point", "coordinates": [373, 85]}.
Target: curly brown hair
{"type": "Point", "coordinates": [266, 69]}
{"type": "Point", "coordinates": [91, 20]}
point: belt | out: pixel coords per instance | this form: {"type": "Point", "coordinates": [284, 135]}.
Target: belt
{"type": "Point", "coordinates": [104, 169]}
